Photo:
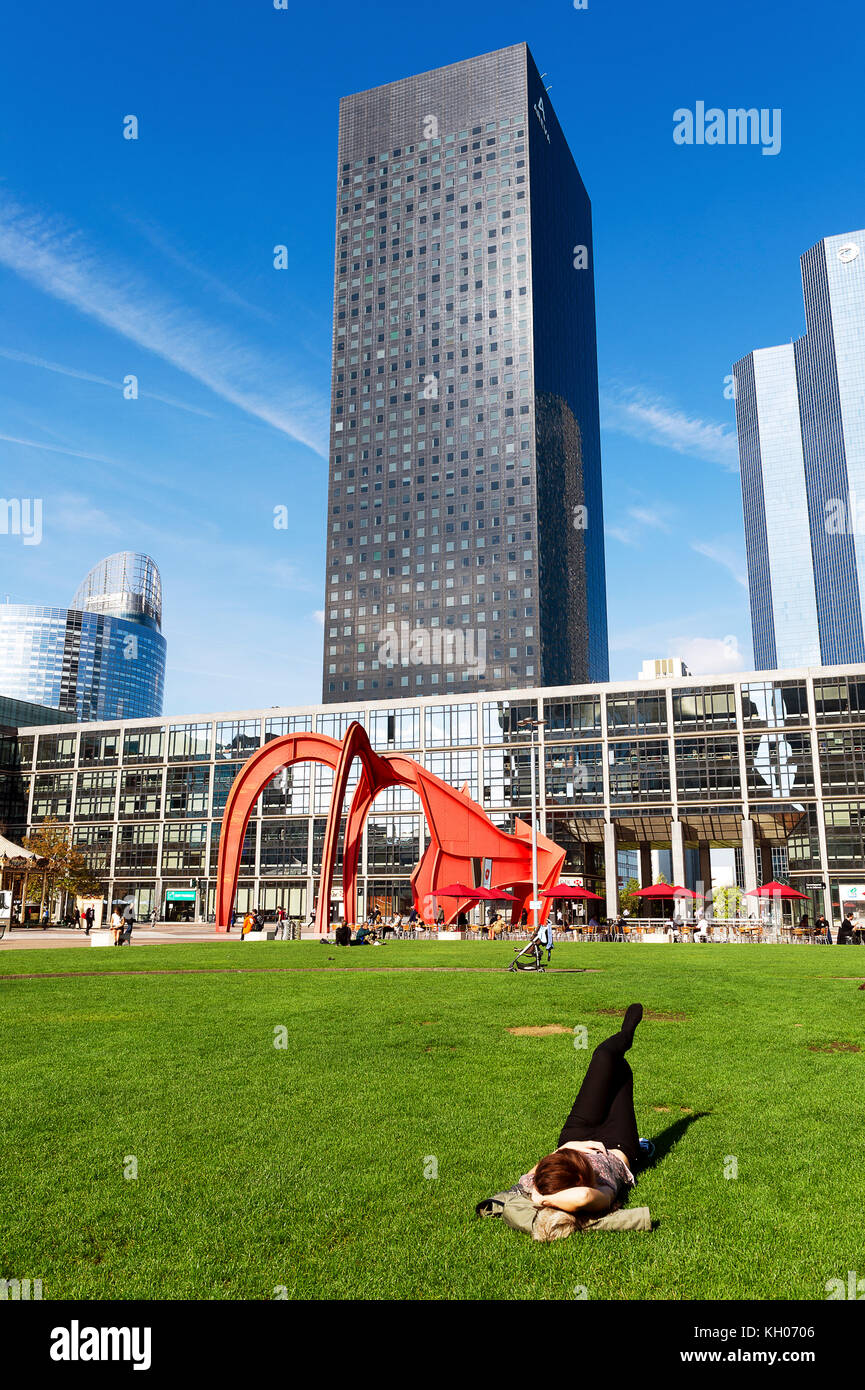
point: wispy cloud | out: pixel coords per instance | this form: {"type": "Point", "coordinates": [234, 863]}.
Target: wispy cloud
{"type": "Point", "coordinates": [650, 516]}
{"type": "Point", "coordinates": [726, 553]}
{"type": "Point", "coordinates": [654, 518]}
{"type": "Point", "coordinates": [59, 449]}
{"type": "Point", "coordinates": [158, 239]}
{"type": "Point", "coordinates": [621, 534]}
{"type": "Point", "coordinates": [70, 511]}
{"type": "Point", "coordinates": [28, 360]}
{"type": "Point", "coordinates": [710, 656]}
{"type": "Point", "coordinates": [653, 420]}
{"type": "Point", "coordinates": [685, 637]}
{"type": "Point", "coordinates": [57, 261]}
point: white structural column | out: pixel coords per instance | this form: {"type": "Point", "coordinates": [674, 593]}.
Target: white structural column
{"type": "Point", "coordinates": [826, 892]}
{"type": "Point", "coordinates": [677, 840]}
{"type": "Point", "coordinates": [749, 855]}
{"type": "Point", "coordinates": [610, 869]}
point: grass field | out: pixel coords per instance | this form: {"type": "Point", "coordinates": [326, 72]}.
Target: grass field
{"type": "Point", "coordinates": [303, 1167]}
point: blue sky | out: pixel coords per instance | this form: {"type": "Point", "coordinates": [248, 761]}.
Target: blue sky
{"type": "Point", "coordinates": [154, 258]}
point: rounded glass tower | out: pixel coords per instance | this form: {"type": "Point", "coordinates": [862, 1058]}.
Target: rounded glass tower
{"type": "Point", "coordinates": [103, 658]}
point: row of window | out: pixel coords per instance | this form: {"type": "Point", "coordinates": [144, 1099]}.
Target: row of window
{"type": "Point", "coordinates": [778, 766]}
{"type": "Point", "coordinates": [294, 848]}
{"type": "Point", "coordinates": [765, 704]}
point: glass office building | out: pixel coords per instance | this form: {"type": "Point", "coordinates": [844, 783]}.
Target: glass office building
{"type": "Point", "coordinates": [465, 521]}
{"type": "Point", "coordinates": [103, 658]}
{"type": "Point", "coordinates": [770, 765]}
{"type": "Point", "coordinates": [800, 414]}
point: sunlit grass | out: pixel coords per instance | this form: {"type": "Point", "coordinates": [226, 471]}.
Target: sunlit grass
{"type": "Point", "coordinates": [262, 1167]}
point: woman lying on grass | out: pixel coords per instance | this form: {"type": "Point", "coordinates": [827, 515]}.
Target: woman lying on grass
{"type": "Point", "coordinates": [591, 1170]}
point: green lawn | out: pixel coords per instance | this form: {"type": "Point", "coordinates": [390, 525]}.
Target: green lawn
{"type": "Point", "coordinates": [304, 1166]}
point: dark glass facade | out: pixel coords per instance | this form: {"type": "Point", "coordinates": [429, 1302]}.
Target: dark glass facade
{"type": "Point", "coordinates": [465, 526]}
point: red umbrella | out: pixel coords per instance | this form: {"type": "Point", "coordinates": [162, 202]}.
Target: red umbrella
{"type": "Point", "coordinates": [665, 890]}
{"type": "Point", "coordinates": [462, 890]}
{"type": "Point", "coordinates": [775, 890]}
{"type": "Point", "coordinates": [570, 890]}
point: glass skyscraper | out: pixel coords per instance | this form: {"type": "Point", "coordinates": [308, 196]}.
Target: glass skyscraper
{"type": "Point", "coordinates": [103, 658]}
{"type": "Point", "coordinates": [465, 522]}
{"type": "Point", "coordinates": [800, 414]}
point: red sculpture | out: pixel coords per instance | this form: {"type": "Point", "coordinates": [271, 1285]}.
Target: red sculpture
{"type": "Point", "coordinates": [459, 829]}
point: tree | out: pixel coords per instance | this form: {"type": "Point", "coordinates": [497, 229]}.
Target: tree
{"type": "Point", "coordinates": [662, 879]}
{"type": "Point", "coordinates": [628, 900]}
{"type": "Point", "coordinates": [727, 903]}
{"type": "Point", "coordinates": [65, 869]}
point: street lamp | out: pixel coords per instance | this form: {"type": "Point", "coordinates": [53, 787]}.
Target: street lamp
{"type": "Point", "coordinates": [533, 725]}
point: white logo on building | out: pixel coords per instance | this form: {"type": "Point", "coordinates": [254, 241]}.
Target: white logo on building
{"type": "Point", "coordinates": [541, 114]}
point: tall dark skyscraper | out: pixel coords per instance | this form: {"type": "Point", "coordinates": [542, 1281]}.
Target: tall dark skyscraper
{"type": "Point", "coordinates": [465, 519]}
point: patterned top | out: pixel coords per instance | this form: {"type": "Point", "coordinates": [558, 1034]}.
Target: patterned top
{"type": "Point", "coordinates": [608, 1169]}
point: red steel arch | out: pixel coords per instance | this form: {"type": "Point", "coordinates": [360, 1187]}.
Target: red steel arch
{"type": "Point", "coordinates": [459, 828]}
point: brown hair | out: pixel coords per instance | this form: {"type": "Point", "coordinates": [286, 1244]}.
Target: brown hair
{"type": "Point", "coordinates": [564, 1168]}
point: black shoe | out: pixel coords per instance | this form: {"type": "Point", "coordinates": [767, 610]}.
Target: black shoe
{"type": "Point", "coordinates": [633, 1015]}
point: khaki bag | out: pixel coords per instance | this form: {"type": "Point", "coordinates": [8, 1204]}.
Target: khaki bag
{"type": "Point", "coordinates": [548, 1223]}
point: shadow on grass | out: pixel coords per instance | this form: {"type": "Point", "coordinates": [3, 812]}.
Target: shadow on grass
{"type": "Point", "coordinates": [667, 1140]}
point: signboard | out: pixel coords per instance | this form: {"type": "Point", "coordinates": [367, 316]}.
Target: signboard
{"type": "Point", "coordinates": [96, 903]}
{"type": "Point", "coordinates": [852, 900]}
{"type": "Point", "coordinates": [180, 895]}
{"type": "Point", "coordinates": [487, 876]}
{"type": "Point", "coordinates": [5, 904]}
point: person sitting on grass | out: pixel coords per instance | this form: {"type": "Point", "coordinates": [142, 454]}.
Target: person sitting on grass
{"type": "Point", "coordinates": [599, 1146]}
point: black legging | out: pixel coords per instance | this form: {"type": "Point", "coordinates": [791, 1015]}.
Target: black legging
{"type": "Point", "coordinates": [604, 1107]}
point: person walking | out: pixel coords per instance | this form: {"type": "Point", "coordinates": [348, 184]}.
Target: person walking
{"type": "Point", "coordinates": [128, 924]}
{"type": "Point", "coordinates": [89, 918]}
{"type": "Point", "coordinates": [544, 937]}
{"type": "Point", "coordinates": [116, 926]}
